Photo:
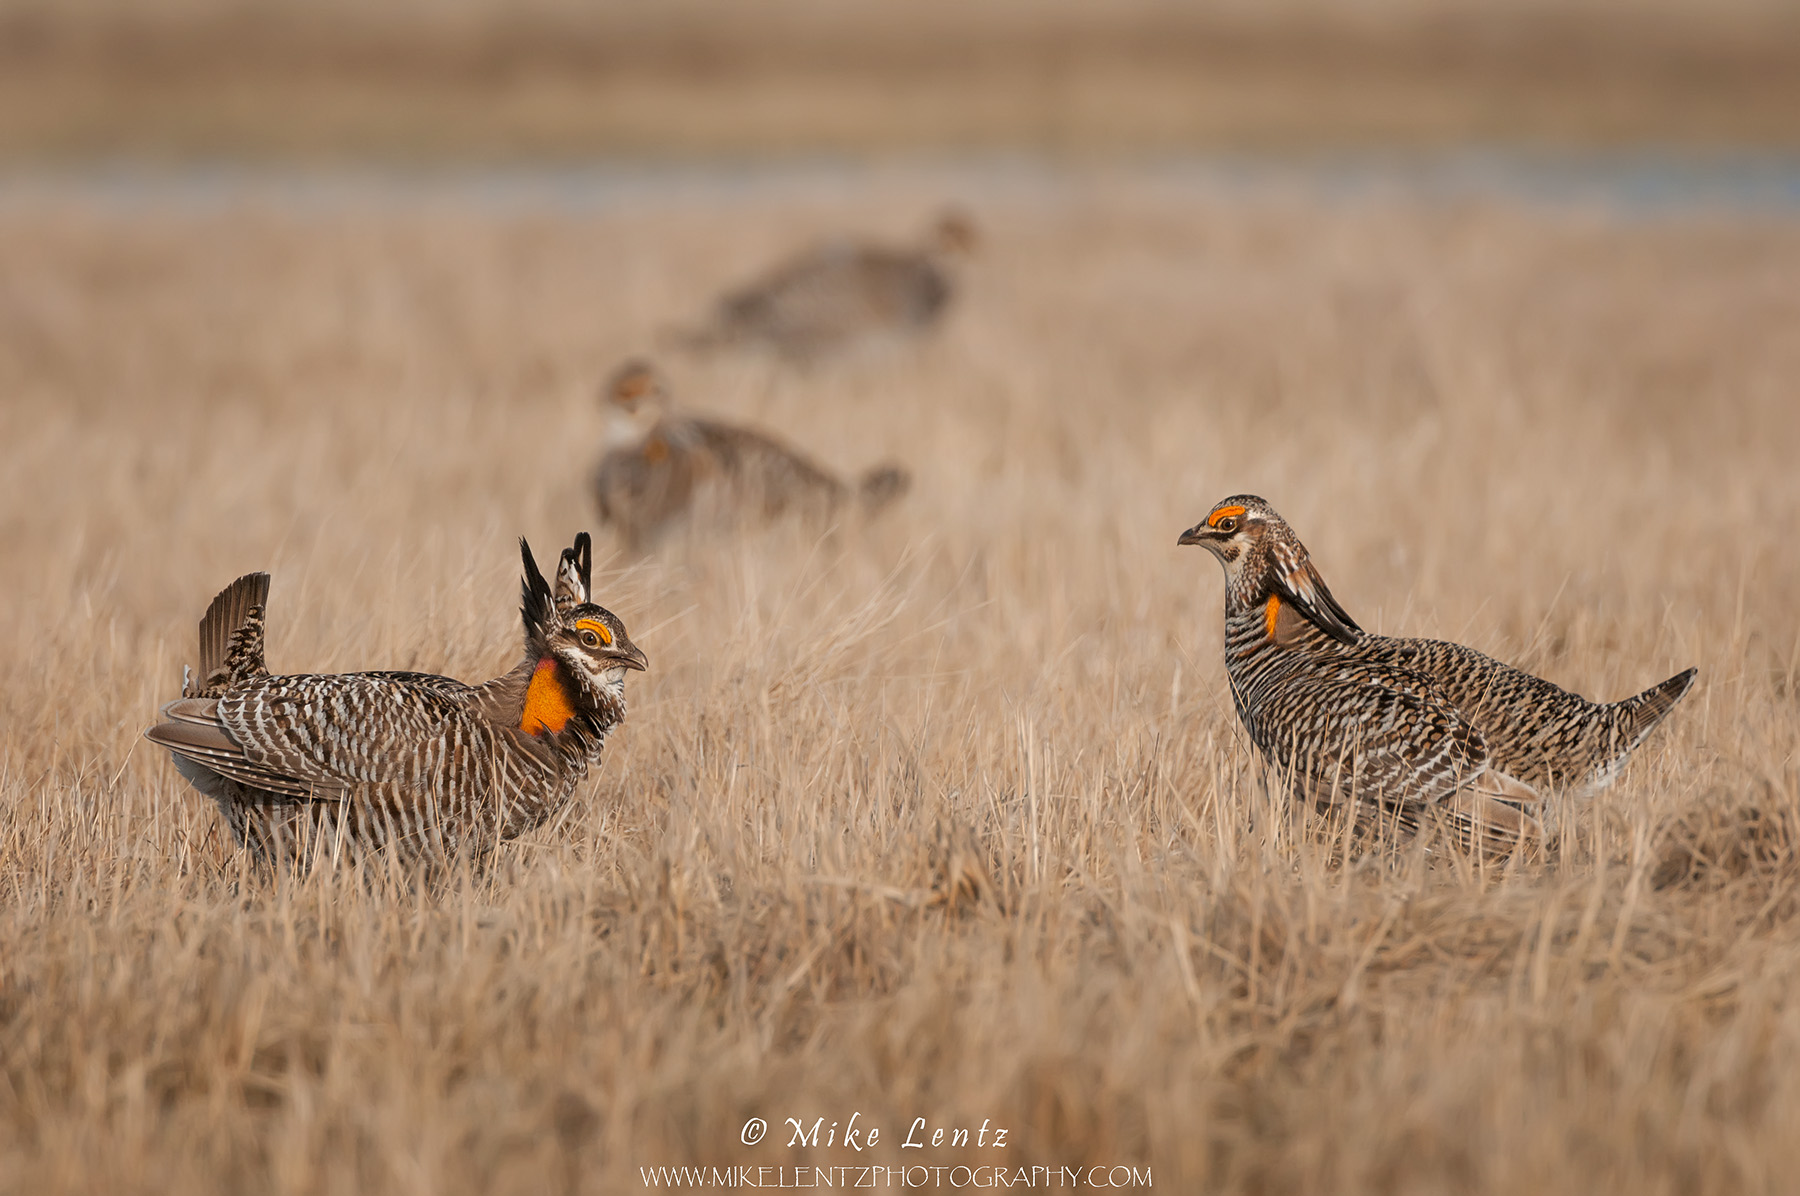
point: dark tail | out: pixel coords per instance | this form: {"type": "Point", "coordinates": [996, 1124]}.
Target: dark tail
{"type": "Point", "coordinates": [882, 485]}
{"type": "Point", "coordinates": [231, 636]}
{"type": "Point", "coordinates": [1644, 712]}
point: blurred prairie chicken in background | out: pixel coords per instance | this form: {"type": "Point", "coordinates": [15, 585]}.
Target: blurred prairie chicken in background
{"type": "Point", "coordinates": [1400, 726]}
{"type": "Point", "coordinates": [842, 295]}
{"type": "Point", "coordinates": [308, 767]}
{"type": "Point", "coordinates": [663, 466]}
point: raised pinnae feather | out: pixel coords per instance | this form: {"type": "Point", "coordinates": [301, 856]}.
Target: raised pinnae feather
{"type": "Point", "coordinates": [536, 604]}
{"type": "Point", "coordinates": [574, 575]}
{"type": "Point", "coordinates": [1299, 578]}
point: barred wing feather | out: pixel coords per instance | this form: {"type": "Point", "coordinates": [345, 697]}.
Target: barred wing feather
{"type": "Point", "coordinates": [310, 735]}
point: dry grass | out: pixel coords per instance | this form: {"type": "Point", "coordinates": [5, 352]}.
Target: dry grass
{"type": "Point", "coordinates": [1564, 438]}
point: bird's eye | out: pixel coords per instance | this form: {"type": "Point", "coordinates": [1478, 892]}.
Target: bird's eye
{"type": "Point", "coordinates": [589, 640]}
{"type": "Point", "coordinates": [1228, 525]}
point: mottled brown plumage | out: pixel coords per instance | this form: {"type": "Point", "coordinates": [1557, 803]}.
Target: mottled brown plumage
{"type": "Point", "coordinates": [841, 295]}
{"type": "Point", "coordinates": [664, 467]}
{"type": "Point", "coordinates": [1399, 726]}
{"type": "Point", "coordinates": [311, 767]}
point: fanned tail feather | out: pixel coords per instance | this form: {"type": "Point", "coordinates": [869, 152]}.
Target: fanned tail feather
{"type": "Point", "coordinates": [231, 635]}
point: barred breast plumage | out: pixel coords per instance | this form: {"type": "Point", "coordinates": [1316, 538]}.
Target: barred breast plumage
{"type": "Point", "coordinates": [1399, 725]}
{"type": "Point", "coordinates": [425, 765]}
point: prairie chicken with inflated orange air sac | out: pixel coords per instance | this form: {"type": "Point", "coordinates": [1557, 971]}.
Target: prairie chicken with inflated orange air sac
{"type": "Point", "coordinates": [425, 765]}
{"type": "Point", "coordinates": [663, 467]}
{"type": "Point", "coordinates": [1400, 726]}
{"type": "Point", "coordinates": [841, 295]}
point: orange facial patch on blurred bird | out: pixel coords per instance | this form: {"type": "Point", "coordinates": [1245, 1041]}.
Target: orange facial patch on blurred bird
{"type": "Point", "coordinates": [597, 627]}
{"type": "Point", "coordinates": [1212, 520]}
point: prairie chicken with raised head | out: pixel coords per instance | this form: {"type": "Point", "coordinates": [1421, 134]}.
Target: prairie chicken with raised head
{"type": "Point", "coordinates": [1399, 726]}
{"type": "Point", "coordinates": [302, 765]}
{"type": "Point", "coordinates": [841, 295]}
{"type": "Point", "coordinates": [663, 467]}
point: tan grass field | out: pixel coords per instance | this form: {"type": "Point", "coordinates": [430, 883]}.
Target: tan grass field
{"type": "Point", "coordinates": [1563, 436]}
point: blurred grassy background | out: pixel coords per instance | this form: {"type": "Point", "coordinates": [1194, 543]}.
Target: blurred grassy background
{"type": "Point", "coordinates": [437, 79]}
{"type": "Point", "coordinates": [1562, 437]}
{"type": "Point", "coordinates": [1561, 432]}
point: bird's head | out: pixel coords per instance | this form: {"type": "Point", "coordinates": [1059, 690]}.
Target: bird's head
{"type": "Point", "coordinates": [581, 650]}
{"type": "Point", "coordinates": [633, 398]}
{"type": "Point", "coordinates": [1264, 559]}
{"type": "Point", "coordinates": [1233, 530]}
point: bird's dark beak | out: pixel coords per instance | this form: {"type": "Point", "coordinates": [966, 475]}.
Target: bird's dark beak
{"type": "Point", "coordinates": [1198, 534]}
{"type": "Point", "coordinates": [627, 654]}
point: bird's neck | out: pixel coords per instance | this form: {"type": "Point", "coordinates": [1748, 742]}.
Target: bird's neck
{"type": "Point", "coordinates": [550, 699]}
{"type": "Point", "coordinates": [1248, 591]}
{"type": "Point", "coordinates": [538, 699]}
{"type": "Point", "coordinates": [626, 429]}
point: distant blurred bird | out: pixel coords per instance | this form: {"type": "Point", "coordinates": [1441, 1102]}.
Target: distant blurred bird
{"type": "Point", "coordinates": [840, 295]}
{"type": "Point", "coordinates": [662, 467]}
{"type": "Point", "coordinates": [1400, 726]}
{"type": "Point", "coordinates": [308, 767]}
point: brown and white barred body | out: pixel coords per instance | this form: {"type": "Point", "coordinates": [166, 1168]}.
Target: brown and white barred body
{"type": "Point", "coordinates": [309, 767]}
{"type": "Point", "coordinates": [1399, 725]}
{"type": "Point", "coordinates": [664, 467]}
{"type": "Point", "coordinates": [842, 295]}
